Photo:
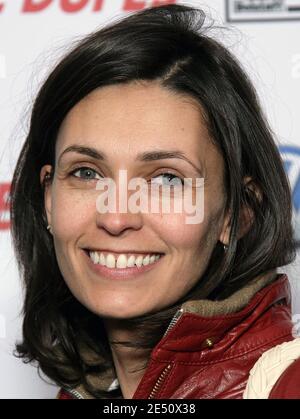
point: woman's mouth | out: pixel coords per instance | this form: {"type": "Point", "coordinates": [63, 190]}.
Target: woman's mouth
{"type": "Point", "coordinates": [121, 265]}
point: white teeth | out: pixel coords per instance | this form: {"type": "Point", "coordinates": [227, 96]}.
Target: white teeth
{"type": "Point", "coordinates": [110, 261]}
{"type": "Point", "coordinates": [139, 261]}
{"type": "Point", "coordinates": [102, 259]}
{"type": "Point", "coordinates": [130, 261]}
{"type": "Point", "coordinates": [123, 261]}
{"type": "Point", "coordinates": [92, 256]}
{"type": "Point", "coordinates": [146, 260]}
{"type": "Point", "coordinates": [152, 258]}
{"type": "Point", "coordinates": [96, 257]}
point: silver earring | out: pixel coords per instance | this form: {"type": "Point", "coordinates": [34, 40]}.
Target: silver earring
{"type": "Point", "coordinates": [225, 247]}
{"type": "Point", "coordinates": [49, 228]}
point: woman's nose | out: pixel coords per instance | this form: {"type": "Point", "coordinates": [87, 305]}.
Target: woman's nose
{"type": "Point", "coordinates": [116, 223]}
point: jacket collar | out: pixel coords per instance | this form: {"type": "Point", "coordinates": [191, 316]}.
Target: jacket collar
{"type": "Point", "coordinates": [204, 323]}
{"type": "Point", "coordinates": [232, 304]}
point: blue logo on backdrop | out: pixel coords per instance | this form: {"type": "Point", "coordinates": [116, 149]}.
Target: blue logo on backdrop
{"type": "Point", "coordinates": [291, 160]}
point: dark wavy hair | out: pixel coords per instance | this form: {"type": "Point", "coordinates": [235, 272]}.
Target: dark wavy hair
{"type": "Point", "coordinates": [169, 45]}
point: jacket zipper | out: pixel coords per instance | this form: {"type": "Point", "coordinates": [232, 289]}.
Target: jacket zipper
{"type": "Point", "coordinates": [159, 382]}
{"type": "Point", "coordinates": [75, 393]}
{"type": "Point", "coordinates": [174, 320]}
{"type": "Point", "coordinates": [167, 369]}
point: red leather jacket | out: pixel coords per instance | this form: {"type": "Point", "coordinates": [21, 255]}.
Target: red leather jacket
{"type": "Point", "coordinates": [210, 357]}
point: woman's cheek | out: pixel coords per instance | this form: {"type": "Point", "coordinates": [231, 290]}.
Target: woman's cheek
{"type": "Point", "coordinates": [174, 230]}
{"type": "Point", "coordinates": [71, 210]}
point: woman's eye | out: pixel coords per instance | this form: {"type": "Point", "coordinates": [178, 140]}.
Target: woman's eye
{"type": "Point", "coordinates": [171, 179]}
{"type": "Point", "coordinates": [89, 173]}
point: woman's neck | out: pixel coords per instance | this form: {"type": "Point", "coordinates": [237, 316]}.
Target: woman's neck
{"type": "Point", "coordinates": [130, 363]}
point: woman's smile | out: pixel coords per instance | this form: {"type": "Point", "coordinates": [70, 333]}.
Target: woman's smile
{"type": "Point", "coordinates": [123, 266]}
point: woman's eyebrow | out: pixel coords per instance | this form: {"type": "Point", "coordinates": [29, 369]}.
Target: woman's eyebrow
{"type": "Point", "coordinates": [143, 157]}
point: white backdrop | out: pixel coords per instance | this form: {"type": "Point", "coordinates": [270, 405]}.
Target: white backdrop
{"type": "Point", "coordinates": [33, 34]}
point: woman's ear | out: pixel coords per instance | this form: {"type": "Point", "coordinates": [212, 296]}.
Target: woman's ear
{"type": "Point", "coordinates": [246, 214]}
{"type": "Point", "coordinates": [45, 180]}
{"type": "Point", "coordinates": [225, 233]}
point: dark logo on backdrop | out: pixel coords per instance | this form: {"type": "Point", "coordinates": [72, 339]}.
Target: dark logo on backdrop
{"type": "Point", "coordinates": [291, 160]}
{"type": "Point", "coordinates": [262, 10]}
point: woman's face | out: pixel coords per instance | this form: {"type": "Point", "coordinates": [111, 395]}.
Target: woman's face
{"type": "Point", "coordinates": [122, 122]}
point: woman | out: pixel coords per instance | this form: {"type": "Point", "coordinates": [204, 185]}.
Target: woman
{"type": "Point", "coordinates": [189, 308]}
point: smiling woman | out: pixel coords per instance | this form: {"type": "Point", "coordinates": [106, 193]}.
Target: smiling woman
{"type": "Point", "coordinates": [142, 304]}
